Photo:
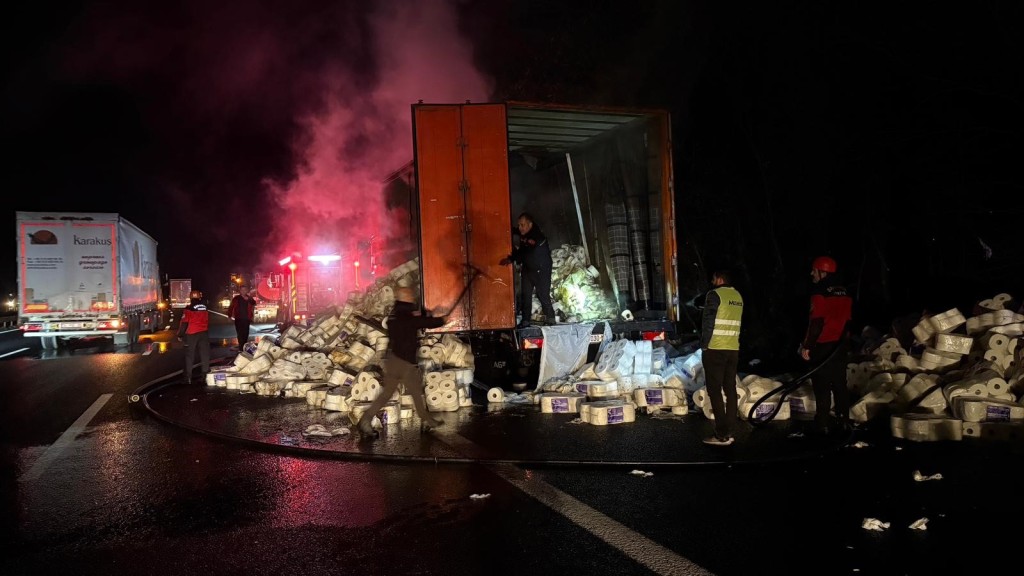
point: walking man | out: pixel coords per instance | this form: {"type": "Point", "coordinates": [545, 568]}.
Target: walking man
{"type": "Point", "coordinates": [720, 352]}
{"type": "Point", "coordinates": [242, 311]}
{"type": "Point", "coordinates": [400, 365]}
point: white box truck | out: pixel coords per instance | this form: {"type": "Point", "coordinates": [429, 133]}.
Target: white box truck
{"type": "Point", "coordinates": [84, 275]}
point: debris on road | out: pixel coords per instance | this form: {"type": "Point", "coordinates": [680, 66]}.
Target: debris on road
{"type": "Point", "coordinates": [874, 524]}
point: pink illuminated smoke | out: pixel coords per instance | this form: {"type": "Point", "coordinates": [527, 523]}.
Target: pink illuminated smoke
{"type": "Point", "coordinates": [362, 133]}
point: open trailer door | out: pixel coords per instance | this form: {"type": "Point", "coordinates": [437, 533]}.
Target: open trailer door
{"type": "Point", "coordinates": [461, 153]}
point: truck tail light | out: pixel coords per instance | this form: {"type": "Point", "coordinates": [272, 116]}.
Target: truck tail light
{"type": "Point", "coordinates": [653, 335]}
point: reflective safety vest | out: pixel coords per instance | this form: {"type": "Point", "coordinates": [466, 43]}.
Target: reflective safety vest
{"type": "Point", "coordinates": [726, 335]}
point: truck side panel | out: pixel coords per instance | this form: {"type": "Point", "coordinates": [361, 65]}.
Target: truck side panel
{"type": "Point", "coordinates": [669, 252]}
{"type": "Point", "coordinates": [140, 275]}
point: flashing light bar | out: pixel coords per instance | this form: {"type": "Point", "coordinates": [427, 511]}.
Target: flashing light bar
{"type": "Point", "coordinates": [284, 261]}
{"type": "Point", "coordinates": [325, 258]}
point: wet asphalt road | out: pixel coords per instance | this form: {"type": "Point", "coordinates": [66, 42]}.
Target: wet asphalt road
{"type": "Point", "coordinates": [129, 494]}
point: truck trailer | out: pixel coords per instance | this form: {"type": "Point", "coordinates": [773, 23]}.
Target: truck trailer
{"type": "Point", "coordinates": [597, 179]}
{"type": "Point", "coordinates": [180, 291]}
{"type": "Point", "coordinates": [86, 275]}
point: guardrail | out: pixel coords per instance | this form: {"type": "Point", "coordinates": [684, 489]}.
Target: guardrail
{"type": "Point", "coordinates": [8, 321]}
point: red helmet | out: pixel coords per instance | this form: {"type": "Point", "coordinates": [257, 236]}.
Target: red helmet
{"type": "Point", "coordinates": [825, 264]}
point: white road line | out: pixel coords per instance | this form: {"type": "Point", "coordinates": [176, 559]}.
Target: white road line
{"type": "Point", "coordinates": [18, 351]}
{"type": "Point", "coordinates": [11, 330]}
{"type": "Point", "coordinates": [641, 549]}
{"type": "Point", "coordinates": [65, 440]}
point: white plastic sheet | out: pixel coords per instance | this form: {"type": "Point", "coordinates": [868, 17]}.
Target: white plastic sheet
{"type": "Point", "coordinates": [564, 351]}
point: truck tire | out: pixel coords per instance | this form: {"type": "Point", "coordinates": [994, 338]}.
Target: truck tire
{"type": "Point", "coordinates": [48, 342]}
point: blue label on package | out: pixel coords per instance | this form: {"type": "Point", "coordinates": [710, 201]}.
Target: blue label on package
{"type": "Point", "coordinates": [764, 409]}
{"type": "Point", "coordinates": [559, 404]}
{"type": "Point", "coordinates": [220, 377]}
{"type": "Point", "coordinates": [583, 387]}
{"type": "Point", "coordinates": [654, 397]}
{"type": "Point", "coordinates": [997, 413]}
{"type": "Point", "coordinates": [615, 415]}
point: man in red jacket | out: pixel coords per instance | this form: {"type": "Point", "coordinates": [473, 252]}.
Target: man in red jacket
{"type": "Point", "coordinates": [194, 331]}
{"type": "Point", "coordinates": [827, 343]}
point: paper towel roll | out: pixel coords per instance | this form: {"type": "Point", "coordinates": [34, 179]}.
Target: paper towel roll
{"type": "Point", "coordinates": [495, 395]}
{"type": "Point", "coordinates": [995, 386]}
{"type": "Point", "coordinates": [996, 342]}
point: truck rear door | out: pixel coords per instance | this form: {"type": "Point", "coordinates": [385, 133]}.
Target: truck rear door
{"type": "Point", "coordinates": [461, 155]}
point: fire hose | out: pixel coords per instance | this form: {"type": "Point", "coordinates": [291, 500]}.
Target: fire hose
{"type": "Point", "coordinates": [476, 272]}
{"type": "Point", "coordinates": [783, 393]}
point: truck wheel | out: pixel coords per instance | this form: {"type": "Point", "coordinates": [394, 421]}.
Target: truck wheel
{"type": "Point", "coordinates": [48, 342]}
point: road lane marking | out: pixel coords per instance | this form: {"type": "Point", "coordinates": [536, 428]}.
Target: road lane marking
{"type": "Point", "coordinates": [11, 330]}
{"type": "Point", "coordinates": [640, 548]}
{"type": "Point", "coordinates": [13, 353]}
{"type": "Point", "coordinates": [65, 440]}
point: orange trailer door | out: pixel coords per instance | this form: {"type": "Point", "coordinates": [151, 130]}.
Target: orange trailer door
{"type": "Point", "coordinates": [463, 189]}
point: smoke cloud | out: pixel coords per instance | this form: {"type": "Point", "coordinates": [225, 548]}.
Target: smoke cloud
{"type": "Point", "coordinates": [257, 128]}
{"type": "Point", "coordinates": [362, 132]}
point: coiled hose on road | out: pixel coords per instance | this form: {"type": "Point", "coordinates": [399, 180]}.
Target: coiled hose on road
{"type": "Point", "coordinates": [783, 393]}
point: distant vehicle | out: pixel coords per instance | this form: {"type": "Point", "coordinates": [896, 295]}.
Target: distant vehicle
{"type": "Point", "coordinates": [307, 285]}
{"type": "Point", "coordinates": [86, 274]}
{"type": "Point", "coordinates": [180, 288]}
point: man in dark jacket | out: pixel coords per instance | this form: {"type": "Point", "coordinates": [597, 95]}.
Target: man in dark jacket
{"type": "Point", "coordinates": [242, 311]}
{"type": "Point", "coordinates": [194, 331]}
{"type": "Point", "coordinates": [400, 365]}
{"type": "Point", "coordinates": [534, 254]}
{"type": "Point", "coordinates": [827, 343]}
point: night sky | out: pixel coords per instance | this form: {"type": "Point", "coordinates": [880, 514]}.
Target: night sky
{"type": "Point", "coordinates": [889, 138]}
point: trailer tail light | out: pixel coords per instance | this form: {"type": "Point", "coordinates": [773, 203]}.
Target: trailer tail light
{"type": "Point", "coordinates": [108, 324]}
{"type": "Point", "coordinates": [653, 335]}
{"type": "Point", "coordinates": [533, 343]}
{"type": "Point", "coordinates": [31, 327]}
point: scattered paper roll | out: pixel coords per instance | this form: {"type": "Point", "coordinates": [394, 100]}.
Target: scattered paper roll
{"type": "Point", "coordinates": [495, 395]}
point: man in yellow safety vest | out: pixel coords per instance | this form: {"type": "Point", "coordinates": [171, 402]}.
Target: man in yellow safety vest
{"type": "Point", "coordinates": [720, 354]}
